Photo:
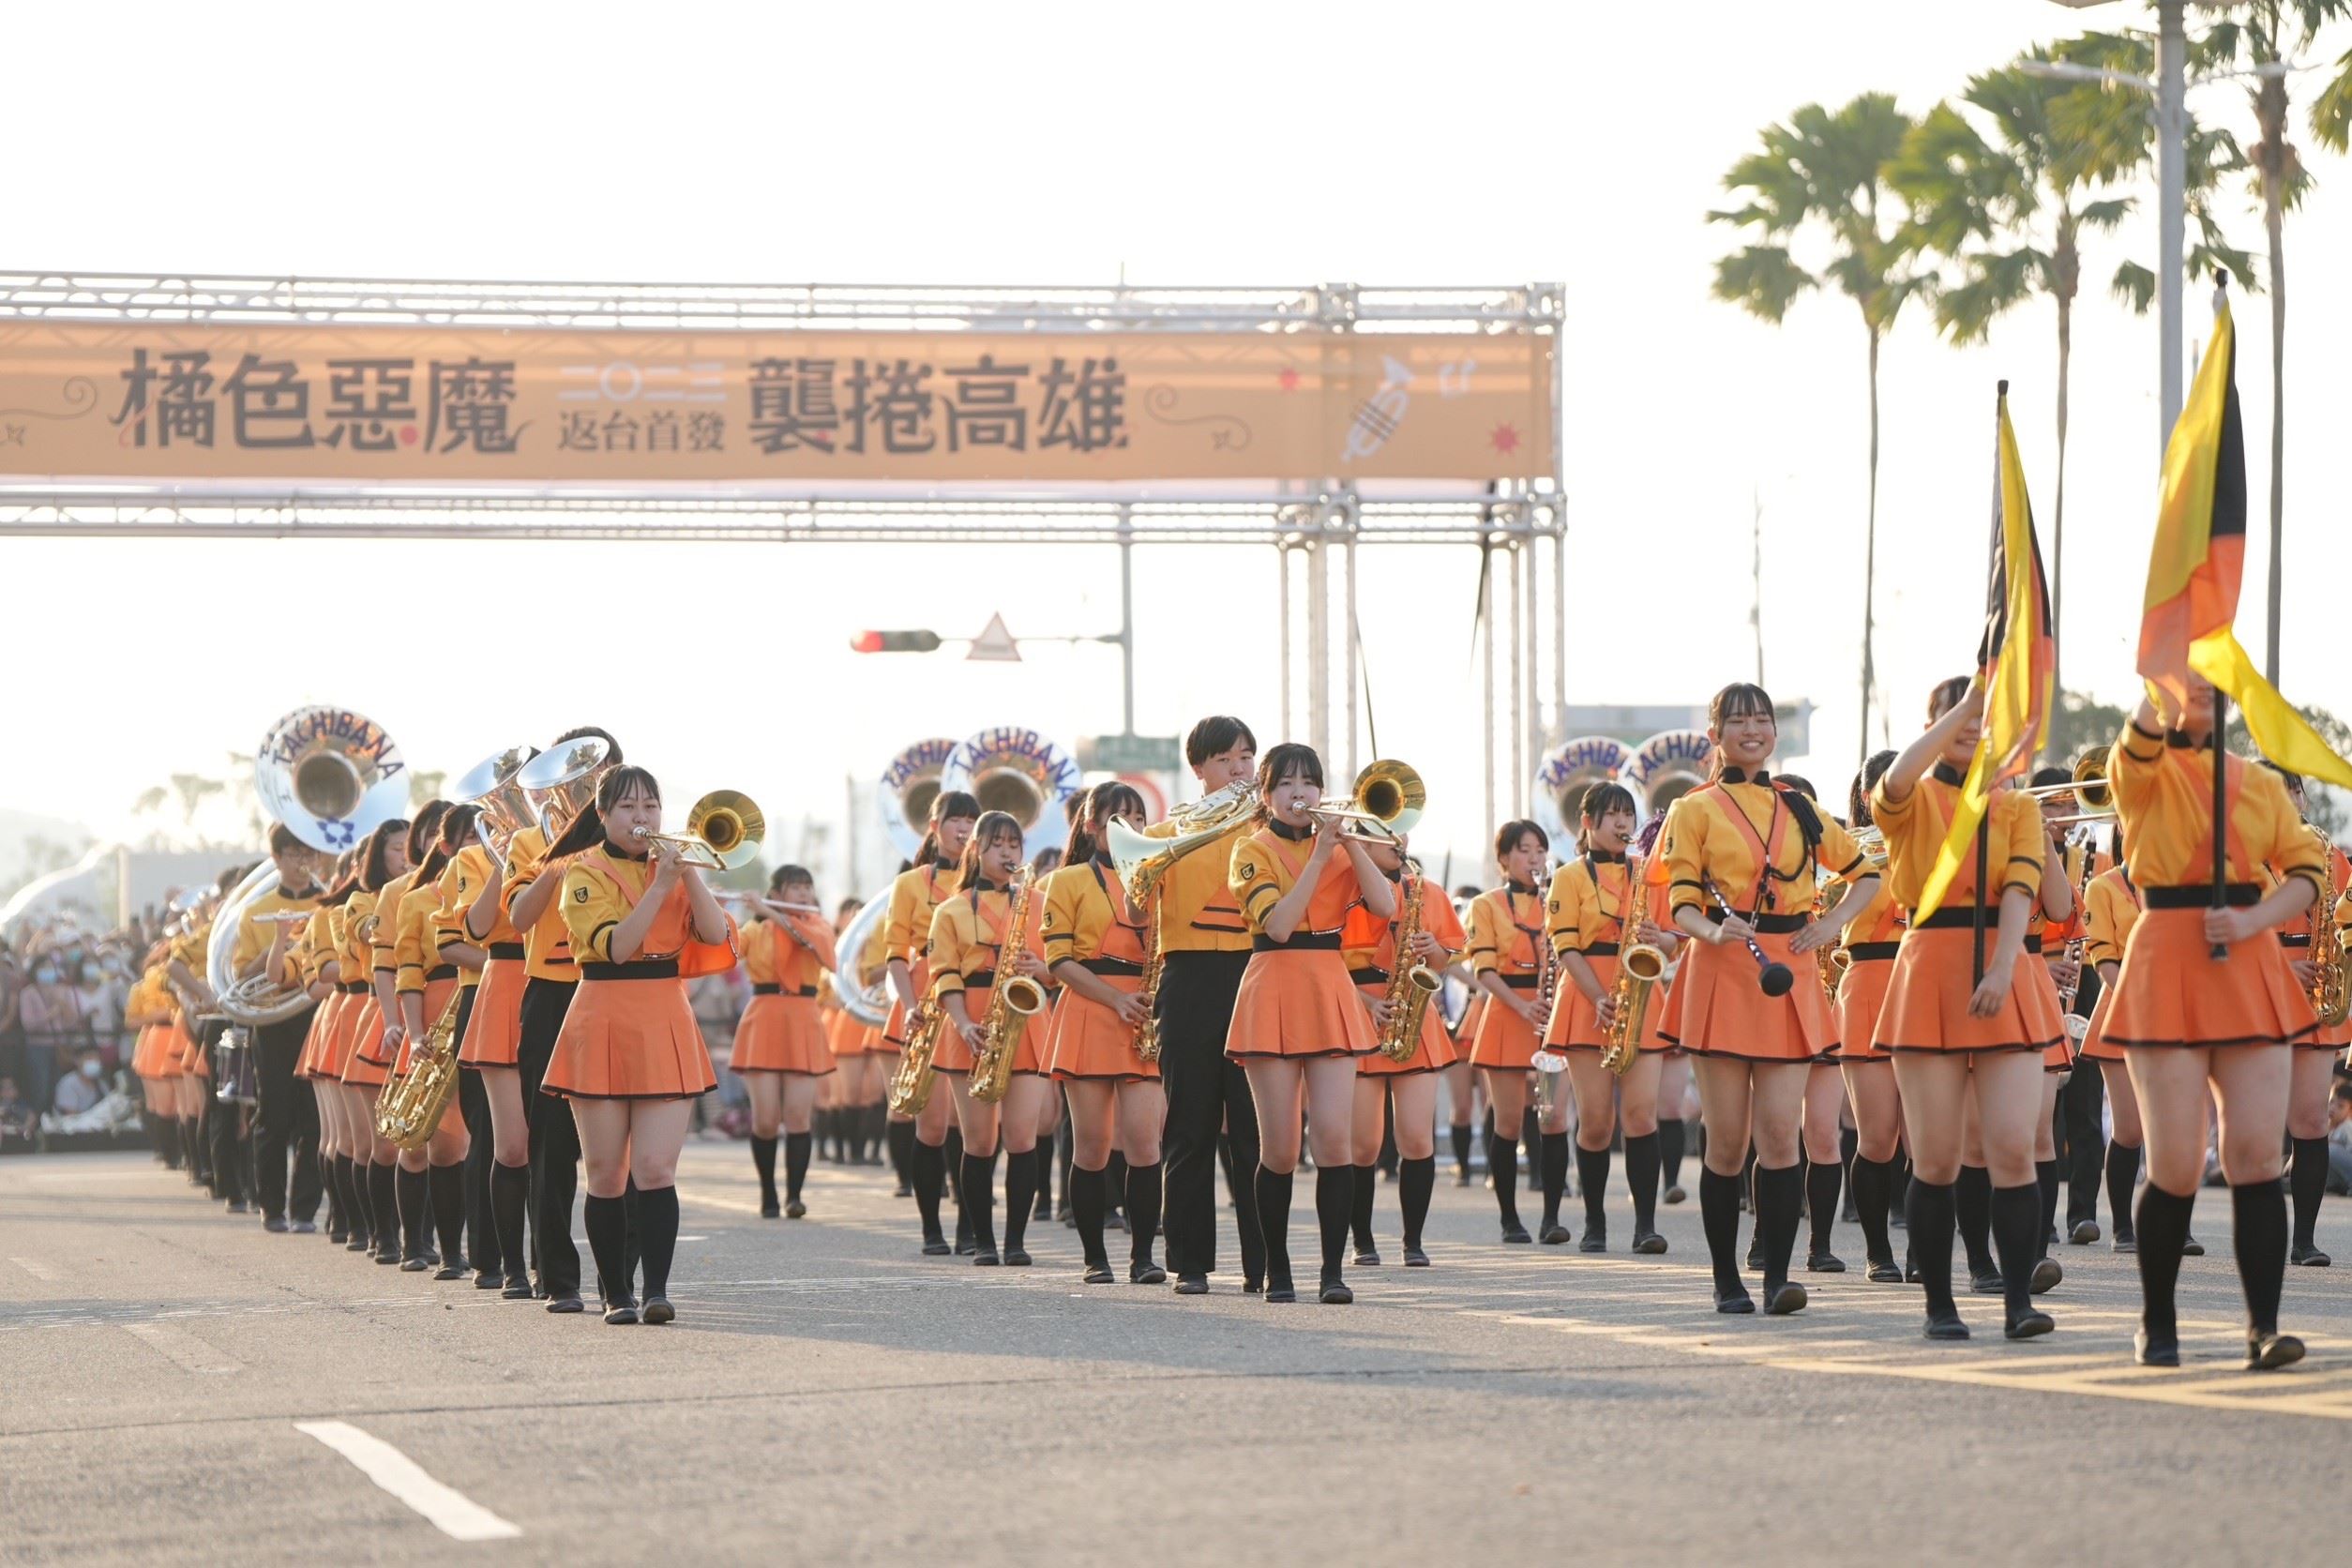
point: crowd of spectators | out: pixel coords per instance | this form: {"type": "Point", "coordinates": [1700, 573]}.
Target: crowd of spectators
{"type": "Point", "coordinates": [63, 1047]}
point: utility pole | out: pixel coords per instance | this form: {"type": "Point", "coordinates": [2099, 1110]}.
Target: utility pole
{"type": "Point", "coordinates": [1755, 579]}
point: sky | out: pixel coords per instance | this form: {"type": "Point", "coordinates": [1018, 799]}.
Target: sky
{"type": "Point", "coordinates": [1036, 144]}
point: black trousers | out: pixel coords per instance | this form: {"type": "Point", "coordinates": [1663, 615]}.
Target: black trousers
{"type": "Point", "coordinates": [286, 1122]}
{"type": "Point", "coordinates": [554, 1140]}
{"type": "Point", "coordinates": [1206, 1089]}
{"type": "Point", "coordinates": [481, 1248]}
{"type": "Point", "coordinates": [225, 1130]}
{"type": "Point", "coordinates": [2081, 1105]}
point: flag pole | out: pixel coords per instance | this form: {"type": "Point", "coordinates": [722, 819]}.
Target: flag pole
{"type": "Point", "coordinates": [1983, 853]}
{"type": "Point", "coordinates": [2220, 952]}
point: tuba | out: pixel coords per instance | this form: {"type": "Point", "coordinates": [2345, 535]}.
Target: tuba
{"type": "Point", "coordinates": [1015, 1000]}
{"type": "Point", "coordinates": [1410, 983]}
{"type": "Point", "coordinates": [410, 1105]}
{"type": "Point", "coordinates": [723, 832]}
{"type": "Point", "coordinates": [1385, 802]}
{"type": "Point", "coordinates": [908, 787]}
{"type": "Point", "coordinates": [864, 998]}
{"type": "Point", "coordinates": [1140, 860]}
{"type": "Point", "coordinates": [255, 999]}
{"type": "Point", "coordinates": [1568, 773]}
{"type": "Point", "coordinates": [505, 806]}
{"type": "Point", "coordinates": [1640, 966]}
{"type": "Point", "coordinates": [559, 783]}
{"type": "Point", "coordinates": [1020, 773]}
{"type": "Point", "coordinates": [331, 775]}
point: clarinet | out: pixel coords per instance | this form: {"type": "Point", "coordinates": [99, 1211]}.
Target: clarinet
{"type": "Point", "coordinates": [1776, 978]}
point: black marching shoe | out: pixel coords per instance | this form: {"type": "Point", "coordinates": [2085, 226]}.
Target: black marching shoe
{"type": "Point", "coordinates": [2148, 1350]}
{"type": "Point", "coordinates": [622, 1310]}
{"type": "Point", "coordinates": [1784, 1298]}
{"type": "Point", "coordinates": [1336, 1294]}
{"type": "Point", "coordinates": [1253, 1287]}
{"type": "Point", "coordinates": [2046, 1275]}
{"type": "Point", "coordinates": [274, 1225]}
{"type": "Point", "coordinates": [1416, 1259]}
{"type": "Point", "coordinates": [658, 1311]}
{"type": "Point", "coordinates": [2028, 1324]}
{"type": "Point", "coordinates": [2309, 1257]}
{"type": "Point", "coordinates": [1737, 1303]}
{"type": "Point", "coordinates": [987, 1260]}
{"type": "Point", "coordinates": [516, 1291]}
{"type": "Point", "coordinates": [1097, 1274]}
{"type": "Point", "coordinates": [1883, 1271]}
{"type": "Point", "coordinates": [2268, 1352]}
{"type": "Point", "coordinates": [936, 1246]}
{"type": "Point", "coordinates": [771, 1209]}
{"type": "Point", "coordinates": [1945, 1325]}
{"type": "Point", "coordinates": [1015, 1258]}
{"type": "Point", "coordinates": [1277, 1289]}
{"type": "Point", "coordinates": [1676, 1194]}
{"type": "Point", "coordinates": [570, 1303]}
{"type": "Point", "coordinates": [1367, 1255]}
{"type": "Point", "coordinates": [450, 1271]}
{"type": "Point", "coordinates": [2125, 1242]}
{"type": "Point", "coordinates": [239, 1206]}
{"type": "Point", "coordinates": [1597, 1239]}
{"type": "Point", "coordinates": [360, 1241]}
{"type": "Point", "coordinates": [1516, 1233]}
{"type": "Point", "coordinates": [2192, 1247]}
{"type": "Point", "coordinates": [795, 1209]}
{"type": "Point", "coordinates": [1461, 1176]}
{"type": "Point", "coordinates": [1648, 1243]}
{"type": "Point", "coordinates": [2085, 1232]}
{"type": "Point", "coordinates": [302, 1227]}
{"type": "Point", "coordinates": [1988, 1283]}
{"type": "Point", "coordinates": [1145, 1272]}
{"type": "Point", "coordinates": [416, 1263]}
{"type": "Point", "coordinates": [1756, 1252]}
{"type": "Point", "coordinates": [1192, 1285]}
{"type": "Point", "coordinates": [1911, 1268]}
{"type": "Point", "coordinates": [1824, 1262]}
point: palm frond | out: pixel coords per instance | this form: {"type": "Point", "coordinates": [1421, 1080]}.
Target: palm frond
{"type": "Point", "coordinates": [2104, 216]}
{"type": "Point", "coordinates": [2332, 111]}
{"type": "Point", "coordinates": [2136, 286]}
{"type": "Point", "coordinates": [1762, 279]}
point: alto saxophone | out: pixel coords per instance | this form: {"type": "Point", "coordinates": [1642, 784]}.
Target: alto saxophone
{"type": "Point", "coordinates": [1013, 1000]}
{"type": "Point", "coordinates": [1410, 984]}
{"type": "Point", "coordinates": [408, 1106]}
{"type": "Point", "coordinates": [1147, 1033]}
{"type": "Point", "coordinates": [2331, 989]}
{"type": "Point", "coordinates": [1551, 1066]}
{"type": "Point", "coordinates": [1641, 965]}
{"type": "Point", "coordinates": [911, 1081]}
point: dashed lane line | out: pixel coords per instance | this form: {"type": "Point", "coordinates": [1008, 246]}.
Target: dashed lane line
{"type": "Point", "coordinates": [184, 1350]}
{"type": "Point", "coordinates": [448, 1509]}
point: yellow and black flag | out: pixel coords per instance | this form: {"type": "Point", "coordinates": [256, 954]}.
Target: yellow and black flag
{"type": "Point", "coordinates": [2188, 616]}
{"type": "Point", "coordinates": [2017, 660]}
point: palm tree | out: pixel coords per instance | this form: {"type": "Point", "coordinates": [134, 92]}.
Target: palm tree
{"type": "Point", "coordinates": [1821, 179]}
{"type": "Point", "coordinates": [2272, 33]}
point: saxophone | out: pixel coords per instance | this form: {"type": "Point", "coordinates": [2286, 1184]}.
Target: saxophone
{"type": "Point", "coordinates": [1551, 1066]}
{"type": "Point", "coordinates": [1012, 1002]}
{"type": "Point", "coordinates": [911, 1080]}
{"type": "Point", "coordinates": [408, 1108]}
{"type": "Point", "coordinates": [1640, 966]}
{"type": "Point", "coordinates": [2330, 989]}
{"type": "Point", "coordinates": [1410, 984]}
{"type": "Point", "coordinates": [1147, 1033]}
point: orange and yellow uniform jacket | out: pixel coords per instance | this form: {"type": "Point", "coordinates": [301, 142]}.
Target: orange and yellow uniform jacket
{"type": "Point", "coordinates": [548, 946]}
{"type": "Point", "coordinates": [1197, 909]}
{"type": "Point", "coordinates": [2163, 796]}
{"type": "Point", "coordinates": [771, 956]}
{"type": "Point", "coordinates": [1506, 925]}
{"type": "Point", "coordinates": [2109, 912]}
{"type": "Point", "coordinates": [1915, 826]}
{"type": "Point", "coordinates": [968, 936]}
{"type": "Point", "coordinates": [1715, 834]}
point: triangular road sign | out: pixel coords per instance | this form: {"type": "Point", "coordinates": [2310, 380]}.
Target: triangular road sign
{"type": "Point", "coordinates": [995, 643]}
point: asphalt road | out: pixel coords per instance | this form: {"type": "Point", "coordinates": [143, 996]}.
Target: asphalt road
{"type": "Point", "coordinates": [176, 1385]}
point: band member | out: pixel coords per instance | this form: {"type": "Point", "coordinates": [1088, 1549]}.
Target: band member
{"type": "Point", "coordinates": [2082, 1109]}
{"type": "Point", "coordinates": [2110, 912]}
{"type": "Point", "coordinates": [431, 1180]}
{"type": "Point", "coordinates": [1823, 1140]}
{"type": "Point", "coordinates": [630, 1057]}
{"type": "Point", "coordinates": [1742, 855]}
{"type": "Point", "coordinates": [2206, 997]}
{"type": "Point", "coordinates": [1298, 1025]}
{"type": "Point", "coordinates": [357, 1069]}
{"type": "Point", "coordinates": [915, 899]}
{"type": "Point", "coordinates": [410, 1189]}
{"type": "Point", "coordinates": [1098, 944]}
{"type": "Point", "coordinates": [473, 934]}
{"type": "Point", "coordinates": [1507, 957]}
{"type": "Point", "coordinates": [529, 892]}
{"type": "Point", "coordinates": [344, 1174]}
{"type": "Point", "coordinates": [315, 960]}
{"type": "Point", "coordinates": [1968, 1038]}
{"type": "Point", "coordinates": [286, 1119]}
{"type": "Point", "coordinates": [1871, 943]}
{"type": "Point", "coordinates": [972, 945]}
{"type": "Point", "coordinates": [2315, 1059]}
{"type": "Point", "coordinates": [780, 1051]}
{"type": "Point", "coordinates": [1407, 1090]}
{"type": "Point", "coordinates": [1205, 946]}
{"type": "Point", "coordinates": [1596, 911]}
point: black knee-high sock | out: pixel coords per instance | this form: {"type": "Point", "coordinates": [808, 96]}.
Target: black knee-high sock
{"type": "Point", "coordinates": [899, 1137]}
{"type": "Point", "coordinates": [411, 1193]}
{"type": "Point", "coordinates": [1020, 1195]}
{"type": "Point", "coordinates": [199, 1149]}
{"type": "Point", "coordinates": [1115, 1184]}
{"type": "Point", "coordinates": [1360, 1215]}
{"type": "Point", "coordinates": [2308, 1175]}
{"type": "Point", "coordinates": [355, 1213]}
{"type": "Point", "coordinates": [1459, 1131]}
{"type": "Point", "coordinates": [1503, 1163]}
{"type": "Point", "coordinates": [1143, 1211]}
{"type": "Point", "coordinates": [1719, 1212]}
{"type": "Point", "coordinates": [510, 1194]}
{"type": "Point", "coordinates": [795, 1163]}
{"type": "Point", "coordinates": [1972, 1210]}
{"type": "Point", "coordinates": [1874, 1181]}
{"type": "Point", "coordinates": [1929, 1212]}
{"type": "Point", "coordinates": [2045, 1177]}
{"type": "Point", "coordinates": [2017, 1233]}
{"type": "Point", "coordinates": [979, 1197]}
{"type": "Point", "coordinates": [1673, 1133]}
{"type": "Point", "coordinates": [1271, 1191]}
{"type": "Point", "coordinates": [657, 1236]}
{"type": "Point", "coordinates": [1043, 1168]}
{"type": "Point", "coordinates": [447, 1184]}
{"type": "Point", "coordinates": [384, 1202]}
{"type": "Point", "coordinates": [608, 1222]}
{"type": "Point", "coordinates": [1086, 1207]}
{"type": "Point", "coordinates": [1641, 1180]}
{"type": "Point", "coordinates": [1822, 1183]}
{"type": "Point", "coordinates": [1334, 1206]}
{"type": "Point", "coordinates": [2258, 1235]}
{"type": "Point", "coordinates": [1415, 1181]}
{"type": "Point", "coordinates": [763, 1162]}
{"type": "Point", "coordinates": [953, 1147]}
{"type": "Point", "coordinates": [1848, 1145]}
{"type": "Point", "coordinates": [1551, 1165]}
{"type": "Point", "coordinates": [167, 1139]}
{"type": "Point", "coordinates": [1780, 1196]}
{"type": "Point", "coordinates": [926, 1171]}
{"type": "Point", "coordinates": [1593, 1176]}
{"type": "Point", "coordinates": [334, 1196]}
{"type": "Point", "coordinates": [2123, 1169]}
{"type": "Point", "coordinates": [1531, 1139]}
{"type": "Point", "coordinates": [631, 1239]}
{"type": "Point", "coordinates": [2163, 1228]}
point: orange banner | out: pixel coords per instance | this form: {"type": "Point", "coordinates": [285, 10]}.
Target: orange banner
{"type": "Point", "coordinates": [406, 404]}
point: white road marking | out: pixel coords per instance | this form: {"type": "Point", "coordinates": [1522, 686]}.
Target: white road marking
{"type": "Point", "coordinates": [451, 1512]}
{"type": "Point", "coordinates": [187, 1351]}
{"type": "Point", "coordinates": [34, 1267]}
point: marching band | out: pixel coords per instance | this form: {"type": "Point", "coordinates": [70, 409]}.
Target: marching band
{"type": "Point", "coordinates": [489, 993]}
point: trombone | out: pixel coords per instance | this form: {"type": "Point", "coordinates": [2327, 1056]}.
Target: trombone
{"type": "Point", "coordinates": [722, 832]}
{"type": "Point", "coordinates": [1383, 805]}
{"type": "Point", "coordinates": [2090, 791]}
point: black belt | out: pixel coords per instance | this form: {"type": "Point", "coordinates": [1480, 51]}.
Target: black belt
{"type": "Point", "coordinates": [1521, 982]}
{"type": "Point", "coordinates": [1303, 942]}
{"type": "Point", "coordinates": [357, 987]}
{"type": "Point", "coordinates": [1598, 950]}
{"type": "Point", "coordinates": [2296, 940]}
{"type": "Point", "coordinates": [1861, 951]}
{"type": "Point", "coordinates": [1946, 918]}
{"type": "Point", "coordinates": [774, 989]}
{"type": "Point", "coordinates": [1770, 924]}
{"type": "Point", "coordinates": [1111, 966]}
{"type": "Point", "coordinates": [648, 969]}
{"type": "Point", "coordinates": [506, 950]}
{"type": "Point", "coordinates": [2033, 943]}
{"type": "Point", "coordinates": [2237, 896]}
{"type": "Point", "coordinates": [441, 971]}
{"type": "Point", "coordinates": [1369, 976]}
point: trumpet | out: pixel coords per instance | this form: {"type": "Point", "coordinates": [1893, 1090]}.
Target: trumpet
{"type": "Point", "coordinates": [1384, 802]}
{"type": "Point", "coordinates": [722, 832]}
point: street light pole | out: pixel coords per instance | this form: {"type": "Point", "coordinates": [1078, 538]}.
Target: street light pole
{"type": "Point", "coordinates": [2172, 134]}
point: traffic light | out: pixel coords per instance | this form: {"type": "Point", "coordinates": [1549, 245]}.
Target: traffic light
{"type": "Point", "coordinates": [894, 642]}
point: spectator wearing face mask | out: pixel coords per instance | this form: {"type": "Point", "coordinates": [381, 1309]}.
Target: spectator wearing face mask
{"type": "Point", "coordinates": [83, 1088]}
{"type": "Point", "coordinates": [50, 1014]}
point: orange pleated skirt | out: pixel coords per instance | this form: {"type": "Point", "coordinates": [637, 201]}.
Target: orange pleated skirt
{"type": "Point", "coordinates": [1926, 1008]}
{"type": "Point", "coordinates": [2096, 1046]}
{"type": "Point", "coordinates": [437, 995]}
{"type": "Point", "coordinates": [494, 1031]}
{"type": "Point", "coordinates": [2328, 1037]}
{"type": "Point", "coordinates": [780, 1033]}
{"type": "Point", "coordinates": [953, 1056]}
{"type": "Point", "coordinates": [630, 1040]}
{"type": "Point", "coordinates": [363, 1067]}
{"type": "Point", "coordinates": [314, 1039]}
{"type": "Point", "coordinates": [1089, 1041]}
{"type": "Point", "coordinates": [2172, 992]}
{"type": "Point", "coordinates": [1503, 1039]}
{"type": "Point", "coordinates": [1297, 1002]}
{"type": "Point", "coordinates": [1862, 996]}
{"type": "Point", "coordinates": [333, 1052]}
{"type": "Point", "coordinates": [1434, 1054]}
{"type": "Point", "coordinates": [1576, 1023]}
{"type": "Point", "coordinates": [1719, 1007]}
{"type": "Point", "coordinates": [144, 1055]}
{"type": "Point", "coordinates": [844, 1035]}
{"type": "Point", "coordinates": [192, 1058]}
